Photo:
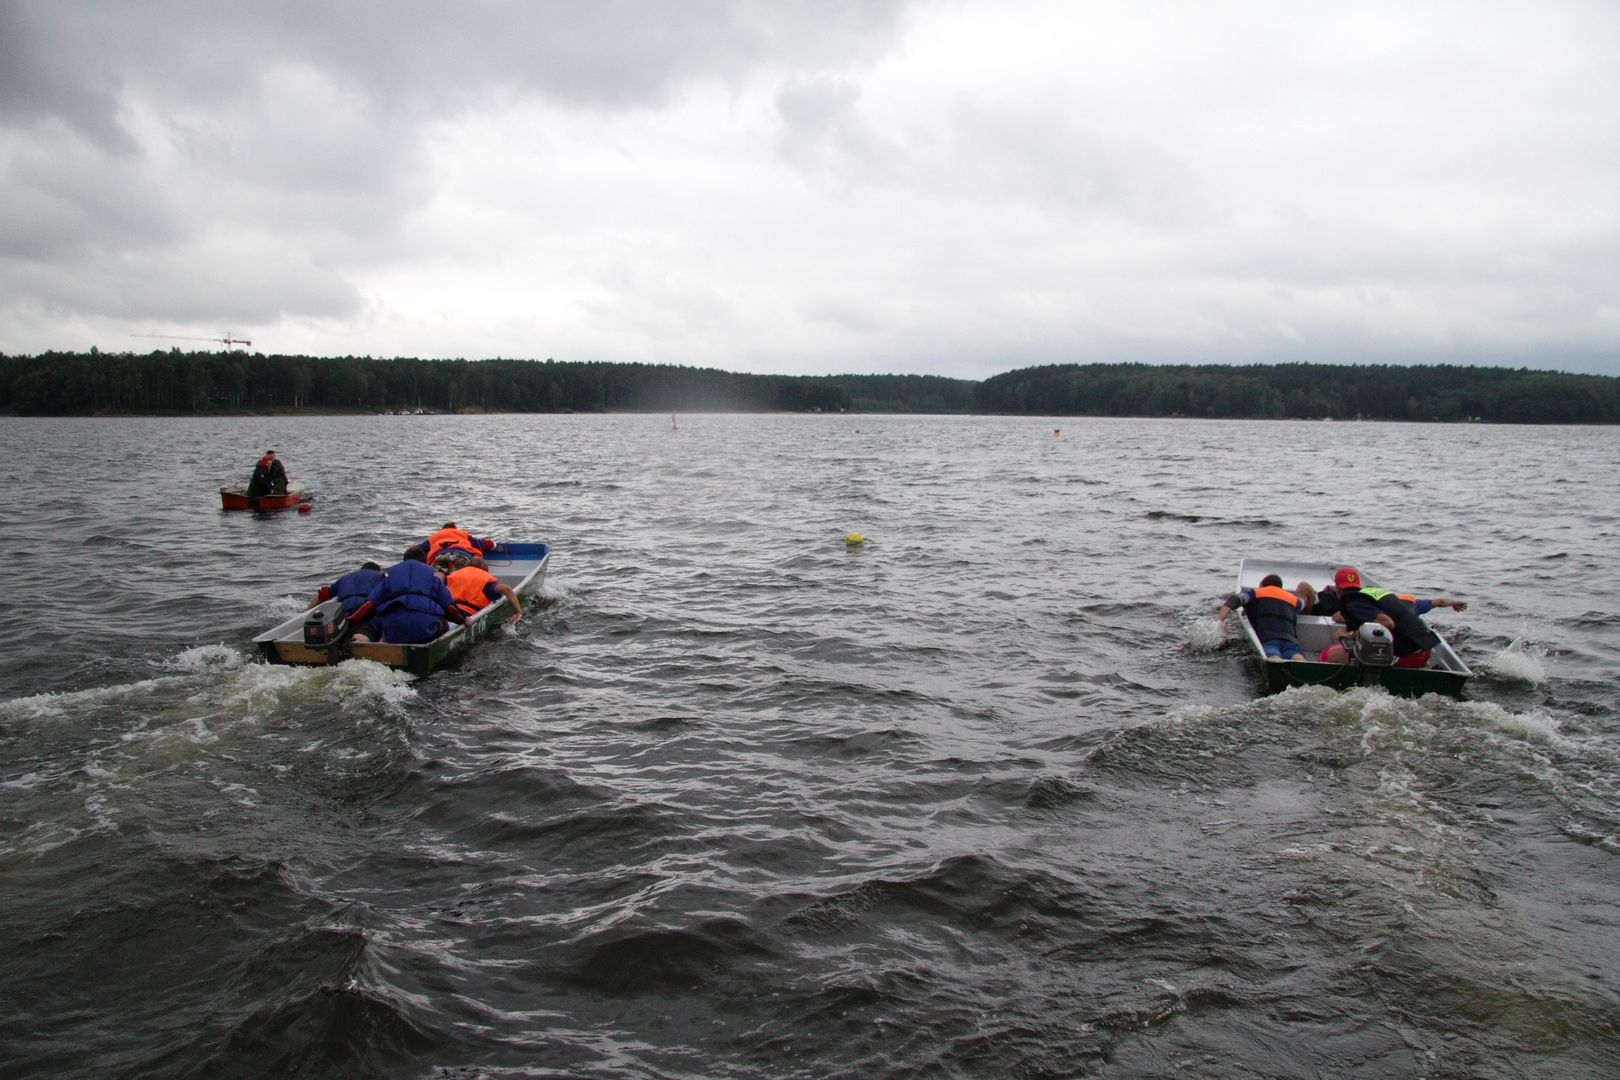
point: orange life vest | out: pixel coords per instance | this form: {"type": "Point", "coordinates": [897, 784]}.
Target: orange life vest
{"type": "Point", "coordinates": [467, 587]}
{"type": "Point", "coordinates": [1272, 592]}
{"type": "Point", "coordinates": [449, 538]}
{"type": "Point", "coordinates": [1274, 614]}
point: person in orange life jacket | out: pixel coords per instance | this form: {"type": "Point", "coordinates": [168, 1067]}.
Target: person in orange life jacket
{"type": "Point", "coordinates": [1273, 611]}
{"type": "Point", "coordinates": [352, 588]}
{"type": "Point", "coordinates": [269, 477]}
{"type": "Point", "coordinates": [1414, 641]}
{"type": "Point", "coordinates": [409, 605]}
{"type": "Point", "coordinates": [474, 587]}
{"type": "Point", "coordinates": [454, 541]}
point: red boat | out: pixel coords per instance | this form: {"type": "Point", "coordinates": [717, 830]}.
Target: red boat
{"type": "Point", "coordinates": [235, 497]}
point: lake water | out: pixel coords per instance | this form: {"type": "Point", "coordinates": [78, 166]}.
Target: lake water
{"type": "Point", "coordinates": [983, 797]}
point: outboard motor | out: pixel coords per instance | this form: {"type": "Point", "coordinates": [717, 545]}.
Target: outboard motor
{"type": "Point", "coordinates": [325, 624]}
{"type": "Point", "coordinates": [1373, 646]}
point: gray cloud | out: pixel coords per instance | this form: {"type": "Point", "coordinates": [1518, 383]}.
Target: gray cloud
{"type": "Point", "coordinates": [418, 56]}
{"type": "Point", "coordinates": [960, 185]}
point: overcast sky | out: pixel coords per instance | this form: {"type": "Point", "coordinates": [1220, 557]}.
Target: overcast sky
{"type": "Point", "coordinates": [948, 187]}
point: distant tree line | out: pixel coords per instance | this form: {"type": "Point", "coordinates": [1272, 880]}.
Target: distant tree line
{"type": "Point", "coordinates": [180, 383]}
{"type": "Point", "coordinates": [183, 383]}
{"type": "Point", "coordinates": [1305, 391]}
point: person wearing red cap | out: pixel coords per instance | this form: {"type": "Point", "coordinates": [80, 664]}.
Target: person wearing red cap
{"type": "Point", "coordinates": [1400, 615]}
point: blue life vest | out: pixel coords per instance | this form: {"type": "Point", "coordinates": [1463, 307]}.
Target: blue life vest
{"type": "Point", "coordinates": [353, 588]}
{"type": "Point", "coordinates": [413, 586]}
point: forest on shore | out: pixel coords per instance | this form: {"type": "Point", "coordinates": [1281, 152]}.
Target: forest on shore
{"type": "Point", "coordinates": [180, 383]}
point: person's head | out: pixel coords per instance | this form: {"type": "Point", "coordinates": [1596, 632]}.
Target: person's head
{"type": "Point", "coordinates": [448, 525]}
{"type": "Point", "coordinates": [1271, 581]}
{"type": "Point", "coordinates": [1347, 578]}
{"type": "Point", "coordinates": [414, 554]}
{"type": "Point", "coordinates": [480, 563]}
{"type": "Point", "coordinates": [269, 453]}
{"type": "Point", "coordinates": [1304, 591]}
{"type": "Point", "coordinates": [369, 565]}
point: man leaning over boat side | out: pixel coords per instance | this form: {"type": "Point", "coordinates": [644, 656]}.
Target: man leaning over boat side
{"type": "Point", "coordinates": [1399, 614]}
{"type": "Point", "coordinates": [455, 542]}
{"type": "Point", "coordinates": [352, 588]}
{"type": "Point", "coordinates": [475, 588]}
{"type": "Point", "coordinates": [410, 605]}
{"type": "Point", "coordinates": [1273, 611]}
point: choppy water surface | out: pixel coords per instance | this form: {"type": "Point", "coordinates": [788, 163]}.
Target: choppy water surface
{"type": "Point", "coordinates": [983, 797]}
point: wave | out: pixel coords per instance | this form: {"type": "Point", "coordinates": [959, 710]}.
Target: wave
{"type": "Point", "coordinates": [1519, 662]}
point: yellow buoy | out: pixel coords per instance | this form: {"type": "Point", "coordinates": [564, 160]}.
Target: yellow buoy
{"type": "Point", "coordinates": [854, 538]}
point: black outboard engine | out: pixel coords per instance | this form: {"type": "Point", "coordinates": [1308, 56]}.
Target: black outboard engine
{"type": "Point", "coordinates": [325, 624]}
{"type": "Point", "coordinates": [1373, 646]}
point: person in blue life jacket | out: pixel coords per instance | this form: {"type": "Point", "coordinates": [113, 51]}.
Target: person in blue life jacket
{"type": "Point", "coordinates": [1274, 613]}
{"type": "Point", "coordinates": [1398, 613]}
{"type": "Point", "coordinates": [409, 605]}
{"type": "Point", "coordinates": [352, 588]}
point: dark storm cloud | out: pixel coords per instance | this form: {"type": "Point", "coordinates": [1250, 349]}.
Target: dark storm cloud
{"type": "Point", "coordinates": [72, 62]}
{"type": "Point", "coordinates": [56, 204]}
{"type": "Point", "coordinates": [136, 130]}
{"type": "Point", "coordinates": [44, 75]}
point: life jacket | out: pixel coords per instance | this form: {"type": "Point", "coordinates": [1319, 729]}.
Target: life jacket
{"type": "Point", "coordinates": [413, 586]}
{"type": "Point", "coordinates": [1412, 634]}
{"type": "Point", "coordinates": [467, 587]}
{"type": "Point", "coordinates": [1274, 614]}
{"type": "Point", "coordinates": [353, 588]}
{"type": "Point", "coordinates": [460, 539]}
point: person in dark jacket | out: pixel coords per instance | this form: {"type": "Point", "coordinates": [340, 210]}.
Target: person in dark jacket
{"type": "Point", "coordinates": [410, 604]}
{"type": "Point", "coordinates": [352, 588]}
{"type": "Point", "coordinates": [1328, 601]}
{"type": "Point", "coordinates": [269, 477]}
{"type": "Point", "coordinates": [1399, 614]}
{"type": "Point", "coordinates": [1274, 612]}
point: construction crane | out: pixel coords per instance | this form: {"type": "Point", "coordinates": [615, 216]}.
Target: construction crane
{"type": "Point", "coordinates": [227, 340]}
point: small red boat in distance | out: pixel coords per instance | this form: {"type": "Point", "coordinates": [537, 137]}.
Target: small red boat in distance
{"type": "Point", "coordinates": [235, 497]}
